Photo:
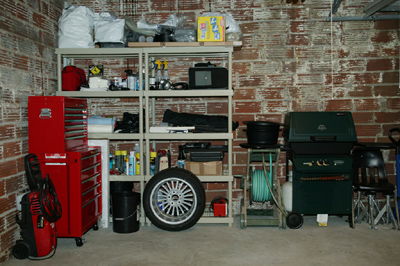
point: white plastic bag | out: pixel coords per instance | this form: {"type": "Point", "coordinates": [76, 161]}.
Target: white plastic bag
{"type": "Point", "coordinates": [75, 27]}
{"type": "Point", "coordinates": [108, 28]}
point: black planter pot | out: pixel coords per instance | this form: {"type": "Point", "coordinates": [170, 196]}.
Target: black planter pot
{"type": "Point", "coordinates": [262, 133]}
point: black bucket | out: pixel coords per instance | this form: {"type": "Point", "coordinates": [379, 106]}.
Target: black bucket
{"type": "Point", "coordinates": [119, 186]}
{"type": "Point", "coordinates": [262, 133]}
{"type": "Point", "coordinates": [125, 206]}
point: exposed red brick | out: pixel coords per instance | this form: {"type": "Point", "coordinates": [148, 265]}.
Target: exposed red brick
{"type": "Point", "coordinates": [247, 107]}
{"type": "Point", "coordinates": [246, 55]}
{"type": "Point", "coordinates": [379, 64]}
{"type": "Point", "coordinates": [360, 91]}
{"type": "Point", "coordinates": [251, 81]}
{"type": "Point", "coordinates": [386, 117]}
{"type": "Point", "coordinates": [386, 25]}
{"type": "Point", "coordinates": [366, 104]}
{"type": "Point", "coordinates": [298, 39]}
{"type": "Point", "coordinates": [363, 117]}
{"type": "Point", "coordinates": [217, 108]}
{"type": "Point", "coordinates": [244, 94]}
{"type": "Point", "coordinates": [338, 105]}
{"type": "Point", "coordinates": [387, 91]}
{"type": "Point", "coordinates": [383, 37]}
{"type": "Point", "coordinates": [368, 130]}
{"type": "Point", "coordinates": [393, 103]}
{"type": "Point", "coordinates": [390, 77]}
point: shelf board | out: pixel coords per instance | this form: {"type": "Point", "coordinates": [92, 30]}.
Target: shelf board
{"type": "Point", "coordinates": [129, 178]}
{"type": "Point", "coordinates": [208, 178]}
{"type": "Point", "coordinates": [100, 94]}
{"type": "Point", "coordinates": [120, 136]}
{"type": "Point", "coordinates": [186, 136]}
{"type": "Point", "coordinates": [188, 93]}
{"type": "Point", "coordinates": [183, 44]}
{"type": "Point", "coordinates": [98, 52]}
{"type": "Point", "coordinates": [216, 220]}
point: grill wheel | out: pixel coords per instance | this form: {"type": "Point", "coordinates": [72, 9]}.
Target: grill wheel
{"type": "Point", "coordinates": [294, 220]}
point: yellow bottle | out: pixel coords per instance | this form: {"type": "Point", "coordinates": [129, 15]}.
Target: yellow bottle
{"type": "Point", "coordinates": [138, 163]}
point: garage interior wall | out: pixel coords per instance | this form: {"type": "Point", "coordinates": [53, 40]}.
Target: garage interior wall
{"type": "Point", "coordinates": [291, 60]}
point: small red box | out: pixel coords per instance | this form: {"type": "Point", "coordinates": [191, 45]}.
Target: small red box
{"type": "Point", "coordinates": [220, 209]}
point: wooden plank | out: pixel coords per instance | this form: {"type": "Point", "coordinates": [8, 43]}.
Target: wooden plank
{"type": "Point", "coordinates": [182, 44]}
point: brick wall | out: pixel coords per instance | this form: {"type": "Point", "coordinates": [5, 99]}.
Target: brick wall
{"type": "Point", "coordinates": [27, 67]}
{"type": "Point", "coordinates": [292, 60]}
{"type": "Point", "coordinates": [287, 63]}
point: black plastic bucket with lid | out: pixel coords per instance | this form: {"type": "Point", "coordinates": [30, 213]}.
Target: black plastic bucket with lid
{"type": "Point", "coordinates": [125, 207]}
{"type": "Point", "coordinates": [262, 132]}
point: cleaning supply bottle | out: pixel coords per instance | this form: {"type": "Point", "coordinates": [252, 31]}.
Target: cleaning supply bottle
{"type": "Point", "coordinates": [158, 76]}
{"type": "Point", "coordinates": [153, 156]}
{"type": "Point", "coordinates": [152, 77]}
{"type": "Point", "coordinates": [166, 75]}
{"type": "Point", "coordinates": [132, 163]}
{"type": "Point", "coordinates": [181, 158]}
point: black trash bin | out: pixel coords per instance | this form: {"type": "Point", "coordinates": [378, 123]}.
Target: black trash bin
{"type": "Point", "coordinates": [125, 206]}
{"type": "Point", "coordinates": [119, 186]}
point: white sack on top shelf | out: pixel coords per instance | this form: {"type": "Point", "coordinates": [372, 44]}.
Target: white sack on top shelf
{"type": "Point", "coordinates": [75, 27]}
{"type": "Point", "coordinates": [108, 28]}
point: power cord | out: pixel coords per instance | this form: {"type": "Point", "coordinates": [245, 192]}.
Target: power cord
{"type": "Point", "coordinates": [49, 204]}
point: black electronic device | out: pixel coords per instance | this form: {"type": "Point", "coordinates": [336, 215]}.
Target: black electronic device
{"type": "Point", "coordinates": [208, 76]}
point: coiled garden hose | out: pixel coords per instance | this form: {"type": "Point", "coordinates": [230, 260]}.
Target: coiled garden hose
{"type": "Point", "coordinates": [261, 192]}
{"type": "Point", "coordinates": [268, 181]}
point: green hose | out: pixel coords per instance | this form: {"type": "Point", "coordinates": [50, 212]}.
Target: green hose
{"type": "Point", "coordinates": [261, 193]}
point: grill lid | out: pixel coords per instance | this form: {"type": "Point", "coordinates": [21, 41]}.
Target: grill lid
{"type": "Point", "coordinates": [320, 127]}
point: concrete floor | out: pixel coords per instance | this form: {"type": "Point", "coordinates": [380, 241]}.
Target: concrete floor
{"type": "Point", "coordinates": [219, 244]}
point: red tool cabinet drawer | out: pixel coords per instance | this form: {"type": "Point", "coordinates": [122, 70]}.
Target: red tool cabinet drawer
{"type": "Point", "coordinates": [90, 171]}
{"type": "Point", "coordinates": [90, 182]}
{"type": "Point", "coordinates": [90, 158]}
{"type": "Point", "coordinates": [91, 193]}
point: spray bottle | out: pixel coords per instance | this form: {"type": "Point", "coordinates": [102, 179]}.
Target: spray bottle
{"type": "Point", "coordinates": [158, 76]}
{"type": "Point", "coordinates": [152, 78]}
{"type": "Point", "coordinates": [166, 75]}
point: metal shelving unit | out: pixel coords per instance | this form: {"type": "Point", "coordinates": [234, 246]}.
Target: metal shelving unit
{"type": "Point", "coordinates": [144, 54]}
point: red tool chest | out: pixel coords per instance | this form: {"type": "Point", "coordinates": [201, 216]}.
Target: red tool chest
{"type": "Point", "coordinates": [56, 123]}
{"type": "Point", "coordinates": [58, 136]}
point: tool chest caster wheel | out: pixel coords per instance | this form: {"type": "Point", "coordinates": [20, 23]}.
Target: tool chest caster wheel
{"type": "Point", "coordinates": [21, 250]}
{"type": "Point", "coordinates": [294, 220]}
{"type": "Point", "coordinates": [174, 199]}
{"type": "Point", "coordinates": [95, 227]}
{"type": "Point", "coordinates": [79, 241]}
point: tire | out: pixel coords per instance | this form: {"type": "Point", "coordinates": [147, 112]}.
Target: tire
{"type": "Point", "coordinates": [174, 199]}
{"type": "Point", "coordinates": [294, 220]}
{"type": "Point", "coordinates": [21, 250]}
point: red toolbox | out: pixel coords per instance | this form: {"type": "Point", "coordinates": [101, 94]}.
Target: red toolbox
{"type": "Point", "coordinates": [58, 136]}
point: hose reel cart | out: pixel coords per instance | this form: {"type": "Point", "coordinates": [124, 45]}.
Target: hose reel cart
{"type": "Point", "coordinates": [261, 185]}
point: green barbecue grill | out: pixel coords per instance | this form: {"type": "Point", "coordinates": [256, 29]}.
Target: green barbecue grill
{"type": "Point", "coordinates": [319, 145]}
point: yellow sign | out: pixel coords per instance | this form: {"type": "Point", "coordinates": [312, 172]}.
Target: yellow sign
{"type": "Point", "coordinates": [211, 29]}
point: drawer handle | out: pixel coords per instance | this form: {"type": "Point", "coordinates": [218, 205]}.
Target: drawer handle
{"type": "Point", "coordinates": [90, 156]}
{"type": "Point", "coordinates": [93, 177]}
{"type": "Point", "coordinates": [75, 131]}
{"type": "Point", "coordinates": [91, 201]}
{"type": "Point", "coordinates": [74, 109]}
{"type": "Point", "coordinates": [75, 115]}
{"type": "Point", "coordinates": [73, 126]}
{"type": "Point", "coordinates": [75, 120]}
{"type": "Point", "coordinates": [90, 167]}
{"type": "Point", "coordinates": [93, 188]}
{"type": "Point", "coordinates": [76, 137]}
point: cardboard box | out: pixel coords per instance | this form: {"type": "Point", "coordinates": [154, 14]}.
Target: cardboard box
{"type": "Point", "coordinates": [211, 29]}
{"type": "Point", "coordinates": [204, 168]}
